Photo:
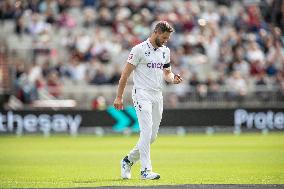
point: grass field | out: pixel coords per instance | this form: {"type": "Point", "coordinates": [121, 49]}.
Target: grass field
{"type": "Point", "coordinates": [85, 161]}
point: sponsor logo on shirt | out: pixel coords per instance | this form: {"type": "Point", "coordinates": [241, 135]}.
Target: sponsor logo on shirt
{"type": "Point", "coordinates": [155, 65]}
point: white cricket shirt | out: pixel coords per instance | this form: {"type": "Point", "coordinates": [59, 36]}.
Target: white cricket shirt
{"type": "Point", "coordinates": [148, 62]}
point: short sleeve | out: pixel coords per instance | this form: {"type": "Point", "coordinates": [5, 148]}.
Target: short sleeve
{"type": "Point", "coordinates": [168, 57]}
{"type": "Point", "coordinates": [133, 57]}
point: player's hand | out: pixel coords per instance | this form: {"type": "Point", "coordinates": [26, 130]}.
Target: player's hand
{"type": "Point", "coordinates": [177, 79]}
{"type": "Point", "coordinates": [118, 103]}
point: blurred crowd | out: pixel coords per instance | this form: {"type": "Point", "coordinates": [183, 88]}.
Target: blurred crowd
{"type": "Point", "coordinates": [221, 45]}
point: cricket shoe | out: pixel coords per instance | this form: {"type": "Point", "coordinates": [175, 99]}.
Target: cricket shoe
{"type": "Point", "coordinates": [149, 175]}
{"type": "Point", "coordinates": [126, 168]}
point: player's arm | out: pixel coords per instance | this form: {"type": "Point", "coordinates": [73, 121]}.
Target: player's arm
{"type": "Point", "coordinates": [170, 76]}
{"type": "Point", "coordinates": [118, 102]}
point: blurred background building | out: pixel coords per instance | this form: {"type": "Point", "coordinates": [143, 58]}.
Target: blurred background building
{"type": "Point", "coordinates": [70, 53]}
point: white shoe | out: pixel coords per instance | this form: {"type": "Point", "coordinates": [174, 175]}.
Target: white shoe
{"type": "Point", "coordinates": [126, 168]}
{"type": "Point", "coordinates": [149, 175]}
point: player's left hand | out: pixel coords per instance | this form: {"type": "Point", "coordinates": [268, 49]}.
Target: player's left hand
{"type": "Point", "coordinates": [177, 79]}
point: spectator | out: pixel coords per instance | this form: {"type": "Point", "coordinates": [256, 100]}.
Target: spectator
{"type": "Point", "coordinates": [77, 70]}
{"type": "Point", "coordinates": [256, 68]}
{"type": "Point", "coordinates": [99, 103]}
{"type": "Point", "coordinates": [254, 53]}
{"type": "Point", "coordinates": [89, 17]}
{"type": "Point", "coordinates": [213, 88]}
{"type": "Point", "coordinates": [241, 66]}
{"type": "Point", "coordinates": [26, 85]}
{"type": "Point", "coordinates": [237, 87]}
{"type": "Point", "coordinates": [271, 69]}
{"type": "Point", "coordinates": [50, 17]}
{"type": "Point", "coordinates": [211, 39]}
{"type": "Point", "coordinates": [7, 10]}
{"type": "Point", "coordinates": [115, 76]}
{"type": "Point", "coordinates": [65, 20]}
{"type": "Point", "coordinates": [36, 25]}
{"type": "Point", "coordinates": [20, 27]}
{"type": "Point", "coordinates": [261, 84]}
{"type": "Point", "coordinates": [82, 45]}
{"type": "Point", "coordinates": [53, 84]}
{"type": "Point", "coordinates": [100, 77]}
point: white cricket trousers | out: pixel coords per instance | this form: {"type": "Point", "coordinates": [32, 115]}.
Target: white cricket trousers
{"type": "Point", "coordinates": [149, 108]}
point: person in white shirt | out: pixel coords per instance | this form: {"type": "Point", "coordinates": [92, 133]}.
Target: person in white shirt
{"type": "Point", "coordinates": [150, 61]}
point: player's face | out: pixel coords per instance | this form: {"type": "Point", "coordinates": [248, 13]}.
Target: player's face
{"type": "Point", "coordinates": [162, 38]}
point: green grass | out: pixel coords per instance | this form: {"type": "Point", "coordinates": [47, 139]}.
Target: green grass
{"type": "Point", "coordinates": [85, 161]}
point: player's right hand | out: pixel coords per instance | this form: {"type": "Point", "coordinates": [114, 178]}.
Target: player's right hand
{"type": "Point", "coordinates": [118, 103]}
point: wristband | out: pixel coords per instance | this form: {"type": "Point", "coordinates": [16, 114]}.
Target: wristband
{"type": "Point", "coordinates": [167, 65]}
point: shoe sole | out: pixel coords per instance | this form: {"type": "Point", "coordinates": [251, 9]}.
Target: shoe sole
{"type": "Point", "coordinates": [156, 178]}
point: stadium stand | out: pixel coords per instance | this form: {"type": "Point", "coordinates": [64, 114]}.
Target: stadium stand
{"type": "Point", "coordinates": [228, 52]}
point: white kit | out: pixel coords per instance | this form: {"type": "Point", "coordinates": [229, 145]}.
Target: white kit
{"type": "Point", "coordinates": [147, 96]}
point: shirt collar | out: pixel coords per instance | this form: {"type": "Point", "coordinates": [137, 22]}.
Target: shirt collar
{"type": "Point", "coordinates": [149, 44]}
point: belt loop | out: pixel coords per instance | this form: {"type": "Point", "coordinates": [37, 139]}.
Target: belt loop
{"type": "Point", "coordinates": [135, 91]}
